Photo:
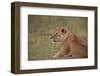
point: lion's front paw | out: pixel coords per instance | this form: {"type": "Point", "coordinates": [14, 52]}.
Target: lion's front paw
{"type": "Point", "coordinates": [55, 56]}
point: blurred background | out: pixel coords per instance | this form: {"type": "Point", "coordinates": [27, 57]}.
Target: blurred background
{"type": "Point", "coordinates": [39, 28]}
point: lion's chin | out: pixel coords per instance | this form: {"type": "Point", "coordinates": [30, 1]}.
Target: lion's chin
{"type": "Point", "coordinates": [52, 41]}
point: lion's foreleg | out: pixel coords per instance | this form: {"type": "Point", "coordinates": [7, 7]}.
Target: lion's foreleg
{"type": "Point", "coordinates": [61, 52]}
{"type": "Point", "coordinates": [58, 54]}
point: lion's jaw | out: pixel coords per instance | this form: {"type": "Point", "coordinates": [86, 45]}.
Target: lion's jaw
{"type": "Point", "coordinates": [61, 39]}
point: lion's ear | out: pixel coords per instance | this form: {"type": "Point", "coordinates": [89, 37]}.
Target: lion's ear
{"type": "Point", "coordinates": [63, 30]}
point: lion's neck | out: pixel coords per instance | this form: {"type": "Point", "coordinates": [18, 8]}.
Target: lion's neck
{"type": "Point", "coordinates": [70, 41]}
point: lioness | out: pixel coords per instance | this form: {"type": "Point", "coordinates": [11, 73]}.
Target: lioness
{"type": "Point", "coordinates": [70, 44]}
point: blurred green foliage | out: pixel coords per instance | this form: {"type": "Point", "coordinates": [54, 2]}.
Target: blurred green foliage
{"type": "Point", "coordinates": [39, 26]}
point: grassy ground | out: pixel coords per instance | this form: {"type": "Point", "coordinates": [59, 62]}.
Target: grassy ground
{"type": "Point", "coordinates": [40, 47]}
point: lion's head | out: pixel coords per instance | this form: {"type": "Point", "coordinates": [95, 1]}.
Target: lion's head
{"type": "Point", "coordinates": [60, 34]}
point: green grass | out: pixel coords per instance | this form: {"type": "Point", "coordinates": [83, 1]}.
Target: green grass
{"type": "Point", "coordinates": [40, 47]}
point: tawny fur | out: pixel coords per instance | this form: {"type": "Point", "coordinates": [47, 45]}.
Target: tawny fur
{"type": "Point", "coordinates": [70, 44]}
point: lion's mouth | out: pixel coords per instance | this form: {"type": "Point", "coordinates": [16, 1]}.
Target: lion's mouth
{"type": "Point", "coordinates": [53, 41]}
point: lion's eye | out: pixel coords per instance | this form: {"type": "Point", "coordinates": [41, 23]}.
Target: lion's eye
{"type": "Point", "coordinates": [55, 33]}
